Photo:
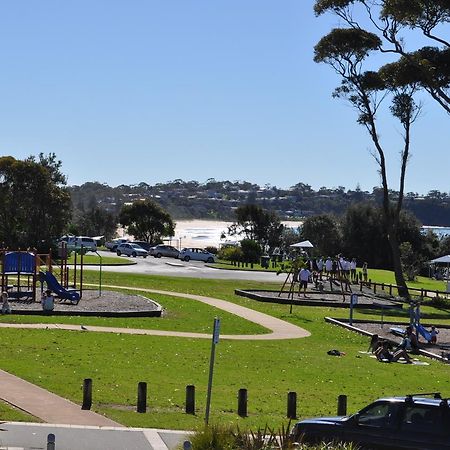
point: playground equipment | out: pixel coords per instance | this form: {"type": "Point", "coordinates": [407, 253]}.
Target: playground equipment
{"type": "Point", "coordinates": [22, 270]}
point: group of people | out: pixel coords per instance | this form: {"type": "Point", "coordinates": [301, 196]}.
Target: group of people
{"type": "Point", "coordinates": [338, 268]}
{"type": "Point", "coordinates": [47, 302]}
{"type": "Point", "coordinates": [382, 349]}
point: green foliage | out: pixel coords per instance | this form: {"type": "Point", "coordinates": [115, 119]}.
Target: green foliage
{"type": "Point", "coordinates": [411, 263]}
{"type": "Point", "coordinates": [35, 203]}
{"type": "Point", "coordinates": [94, 221]}
{"type": "Point", "coordinates": [211, 249]}
{"type": "Point", "coordinates": [324, 233]}
{"type": "Point", "coordinates": [351, 45]}
{"type": "Point", "coordinates": [220, 437]}
{"type": "Point", "coordinates": [396, 24]}
{"type": "Point", "coordinates": [251, 251]}
{"type": "Point", "coordinates": [147, 221]}
{"type": "Point", "coordinates": [255, 223]}
{"type": "Point", "coordinates": [231, 253]}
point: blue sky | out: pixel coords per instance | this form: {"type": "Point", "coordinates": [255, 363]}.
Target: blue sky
{"type": "Point", "coordinates": [152, 91]}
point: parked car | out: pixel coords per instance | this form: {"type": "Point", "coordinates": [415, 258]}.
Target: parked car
{"type": "Point", "coordinates": [409, 422]}
{"type": "Point", "coordinates": [78, 242]}
{"type": "Point", "coordinates": [145, 245]}
{"type": "Point", "coordinates": [164, 250]}
{"type": "Point", "coordinates": [129, 249]}
{"type": "Point", "coordinates": [196, 254]}
{"type": "Point", "coordinates": [112, 245]}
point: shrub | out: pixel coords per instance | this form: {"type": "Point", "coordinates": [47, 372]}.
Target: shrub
{"type": "Point", "coordinates": [251, 250]}
{"type": "Point", "coordinates": [230, 253]}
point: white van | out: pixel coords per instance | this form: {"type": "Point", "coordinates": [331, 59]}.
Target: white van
{"type": "Point", "coordinates": [77, 242]}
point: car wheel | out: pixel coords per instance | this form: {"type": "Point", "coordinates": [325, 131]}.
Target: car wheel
{"type": "Point", "coordinates": [210, 260]}
{"type": "Point", "coordinates": [186, 258]}
{"type": "Point", "coordinates": [119, 252]}
{"type": "Point", "coordinates": [134, 254]}
{"type": "Point", "coordinates": [158, 255]}
{"type": "Point", "coordinates": [145, 256]}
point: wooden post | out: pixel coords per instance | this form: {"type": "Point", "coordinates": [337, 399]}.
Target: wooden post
{"type": "Point", "coordinates": [242, 402]}
{"type": "Point", "coordinates": [390, 289]}
{"type": "Point", "coordinates": [342, 405]}
{"type": "Point", "coordinates": [87, 394]}
{"type": "Point", "coordinates": [190, 399]}
{"type": "Point", "coordinates": [360, 286]}
{"type": "Point", "coordinates": [142, 397]}
{"type": "Point", "coordinates": [382, 286]}
{"type": "Point", "coordinates": [374, 288]}
{"type": "Point", "coordinates": [292, 405]}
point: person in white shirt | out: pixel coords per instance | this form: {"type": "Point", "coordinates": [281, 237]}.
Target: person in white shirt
{"type": "Point", "coordinates": [303, 278]}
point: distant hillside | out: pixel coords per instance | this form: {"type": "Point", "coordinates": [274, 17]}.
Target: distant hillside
{"type": "Point", "coordinates": [218, 199]}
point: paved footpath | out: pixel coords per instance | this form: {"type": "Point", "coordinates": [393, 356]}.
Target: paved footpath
{"type": "Point", "coordinates": [34, 436]}
{"type": "Point", "coordinates": [53, 409]}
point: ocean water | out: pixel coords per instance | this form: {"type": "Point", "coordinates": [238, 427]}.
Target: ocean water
{"type": "Point", "coordinates": [440, 231]}
{"type": "Point", "coordinates": [204, 233]}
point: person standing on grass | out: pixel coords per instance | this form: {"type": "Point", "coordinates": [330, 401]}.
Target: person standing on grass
{"type": "Point", "coordinates": [303, 278]}
{"type": "Point", "coordinates": [364, 272]}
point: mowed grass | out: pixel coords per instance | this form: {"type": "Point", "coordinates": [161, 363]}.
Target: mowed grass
{"type": "Point", "coordinates": [94, 260]}
{"type": "Point", "coordinates": [59, 361]}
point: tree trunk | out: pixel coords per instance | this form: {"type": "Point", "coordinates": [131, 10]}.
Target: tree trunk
{"type": "Point", "coordinates": [395, 251]}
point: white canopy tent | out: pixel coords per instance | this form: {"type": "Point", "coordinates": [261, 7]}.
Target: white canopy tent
{"type": "Point", "coordinates": [443, 260]}
{"type": "Point", "coordinates": [303, 244]}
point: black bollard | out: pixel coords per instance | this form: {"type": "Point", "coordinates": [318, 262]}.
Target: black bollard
{"type": "Point", "coordinates": [190, 399]}
{"type": "Point", "coordinates": [87, 394]}
{"type": "Point", "coordinates": [342, 405]}
{"type": "Point", "coordinates": [292, 405]}
{"type": "Point", "coordinates": [242, 403]}
{"type": "Point", "coordinates": [142, 397]}
{"type": "Point", "coordinates": [51, 441]}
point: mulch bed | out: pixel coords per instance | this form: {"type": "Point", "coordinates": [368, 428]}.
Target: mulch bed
{"type": "Point", "coordinates": [109, 303]}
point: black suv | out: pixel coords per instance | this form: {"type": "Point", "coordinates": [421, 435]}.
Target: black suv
{"type": "Point", "coordinates": [410, 422]}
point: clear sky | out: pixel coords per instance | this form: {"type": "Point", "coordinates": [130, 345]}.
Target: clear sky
{"type": "Point", "coordinates": [155, 90]}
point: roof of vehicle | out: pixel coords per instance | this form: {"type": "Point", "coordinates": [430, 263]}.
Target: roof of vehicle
{"type": "Point", "coordinates": [418, 399]}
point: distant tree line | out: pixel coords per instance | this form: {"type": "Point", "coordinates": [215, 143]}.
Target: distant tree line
{"type": "Point", "coordinates": [219, 199]}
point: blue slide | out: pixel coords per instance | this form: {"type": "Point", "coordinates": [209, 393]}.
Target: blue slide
{"type": "Point", "coordinates": [53, 284]}
{"type": "Point", "coordinates": [424, 332]}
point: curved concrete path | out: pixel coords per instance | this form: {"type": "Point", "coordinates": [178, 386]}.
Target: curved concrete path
{"type": "Point", "coordinates": [54, 409]}
{"type": "Point", "coordinates": [279, 329]}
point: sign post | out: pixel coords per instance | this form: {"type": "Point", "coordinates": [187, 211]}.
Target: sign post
{"type": "Point", "coordinates": [215, 341]}
{"type": "Point", "coordinates": [353, 302]}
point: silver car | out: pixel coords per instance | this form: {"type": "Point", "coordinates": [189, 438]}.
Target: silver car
{"type": "Point", "coordinates": [164, 250]}
{"type": "Point", "coordinates": [196, 254]}
{"type": "Point", "coordinates": [129, 249]}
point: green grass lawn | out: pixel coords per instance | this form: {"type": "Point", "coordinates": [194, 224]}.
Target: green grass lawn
{"type": "Point", "coordinates": [59, 360]}
{"type": "Point", "coordinates": [93, 259]}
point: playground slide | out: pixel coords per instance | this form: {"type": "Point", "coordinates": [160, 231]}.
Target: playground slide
{"type": "Point", "coordinates": [54, 285]}
{"type": "Point", "coordinates": [425, 333]}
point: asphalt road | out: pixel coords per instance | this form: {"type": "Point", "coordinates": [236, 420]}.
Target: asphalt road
{"type": "Point", "coordinates": [195, 269]}
{"type": "Point", "coordinates": [34, 436]}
